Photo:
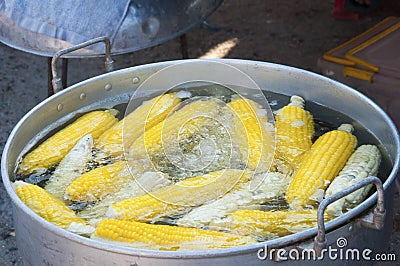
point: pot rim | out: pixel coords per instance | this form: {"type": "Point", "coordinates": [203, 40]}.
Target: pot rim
{"type": "Point", "coordinates": [278, 242]}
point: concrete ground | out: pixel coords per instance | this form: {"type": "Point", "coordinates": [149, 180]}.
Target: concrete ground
{"type": "Point", "coordinates": [295, 33]}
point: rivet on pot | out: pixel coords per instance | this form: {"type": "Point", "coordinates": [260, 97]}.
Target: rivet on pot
{"type": "Point", "coordinates": [135, 80]}
{"type": "Point", "coordinates": [82, 96]}
{"type": "Point", "coordinates": [350, 228]}
{"type": "Point", "coordinates": [108, 87]}
{"type": "Point", "coordinates": [60, 107]}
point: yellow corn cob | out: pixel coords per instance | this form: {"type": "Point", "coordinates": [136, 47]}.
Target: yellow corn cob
{"type": "Point", "coordinates": [166, 237]}
{"type": "Point", "coordinates": [268, 186]}
{"type": "Point", "coordinates": [46, 205]}
{"type": "Point", "coordinates": [53, 150]}
{"type": "Point", "coordinates": [178, 198]}
{"type": "Point", "coordinates": [126, 131]}
{"type": "Point", "coordinates": [146, 183]}
{"type": "Point", "coordinates": [271, 224]}
{"type": "Point", "coordinates": [192, 116]}
{"type": "Point", "coordinates": [320, 165]}
{"type": "Point", "coordinates": [256, 142]}
{"type": "Point", "coordinates": [364, 162]}
{"type": "Point", "coordinates": [97, 183]}
{"type": "Point", "coordinates": [72, 166]}
{"type": "Point", "coordinates": [294, 131]}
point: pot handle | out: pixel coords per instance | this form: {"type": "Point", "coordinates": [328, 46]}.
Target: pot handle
{"type": "Point", "coordinates": [320, 241]}
{"type": "Point", "coordinates": [109, 63]}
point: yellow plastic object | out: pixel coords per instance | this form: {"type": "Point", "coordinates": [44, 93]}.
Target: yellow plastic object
{"type": "Point", "coordinates": [350, 54]}
{"type": "Point", "coordinates": [358, 74]}
{"type": "Point", "coordinates": [329, 56]}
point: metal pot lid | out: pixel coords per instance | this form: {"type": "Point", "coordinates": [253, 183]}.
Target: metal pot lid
{"type": "Point", "coordinates": [45, 27]}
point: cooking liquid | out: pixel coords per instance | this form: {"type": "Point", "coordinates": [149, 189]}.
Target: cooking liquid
{"type": "Point", "coordinates": [325, 120]}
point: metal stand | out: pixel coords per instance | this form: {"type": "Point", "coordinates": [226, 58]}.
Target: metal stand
{"type": "Point", "coordinates": [184, 47]}
{"type": "Point", "coordinates": [64, 71]}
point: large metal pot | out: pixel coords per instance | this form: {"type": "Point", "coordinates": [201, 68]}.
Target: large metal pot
{"type": "Point", "coordinates": [41, 243]}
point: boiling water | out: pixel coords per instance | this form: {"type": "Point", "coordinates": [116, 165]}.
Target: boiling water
{"type": "Point", "coordinates": [325, 120]}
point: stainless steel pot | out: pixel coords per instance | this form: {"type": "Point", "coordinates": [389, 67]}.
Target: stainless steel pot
{"type": "Point", "coordinates": [41, 243]}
